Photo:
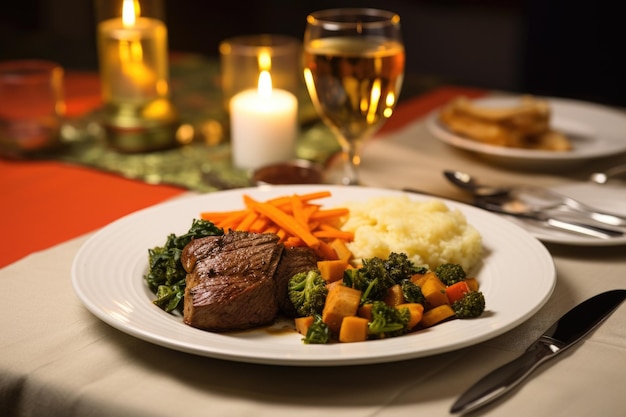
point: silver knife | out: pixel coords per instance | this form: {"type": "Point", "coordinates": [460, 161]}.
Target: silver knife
{"type": "Point", "coordinates": [569, 329]}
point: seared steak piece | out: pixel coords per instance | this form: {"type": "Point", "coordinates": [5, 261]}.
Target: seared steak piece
{"type": "Point", "coordinates": [294, 260]}
{"type": "Point", "coordinates": [230, 281]}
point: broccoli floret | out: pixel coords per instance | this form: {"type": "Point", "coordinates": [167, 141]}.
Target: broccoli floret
{"type": "Point", "coordinates": [372, 279]}
{"type": "Point", "coordinates": [307, 292]}
{"type": "Point", "coordinates": [400, 267]}
{"type": "Point", "coordinates": [412, 292]}
{"type": "Point", "coordinates": [318, 332]}
{"type": "Point", "coordinates": [450, 273]}
{"type": "Point", "coordinates": [472, 305]}
{"type": "Point", "coordinates": [388, 321]}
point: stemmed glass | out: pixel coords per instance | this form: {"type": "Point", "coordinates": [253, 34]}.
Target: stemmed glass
{"type": "Point", "coordinates": [353, 69]}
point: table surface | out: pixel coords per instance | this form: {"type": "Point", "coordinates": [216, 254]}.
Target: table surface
{"type": "Point", "coordinates": [56, 358]}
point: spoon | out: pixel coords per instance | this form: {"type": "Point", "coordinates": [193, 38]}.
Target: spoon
{"type": "Point", "coordinates": [604, 177]}
{"type": "Point", "coordinates": [536, 198]}
{"type": "Point", "coordinates": [465, 181]}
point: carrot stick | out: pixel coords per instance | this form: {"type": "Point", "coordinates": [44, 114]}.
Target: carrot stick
{"type": "Point", "coordinates": [298, 211]}
{"type": "Point", "coordinates": [327, 231]}
{"type": "Point", "coordinates": [233, 220]}
{"type": "Point", "coordinates": [330, 213]}
{"type": "Point", "coordinates": [247, 221]}
{"type": "Point", "coordinates": [325, 251]}
{"type": "Point", "coordinates": [288, 223]}
{"type": "Point", "coordinates": [260, 224]}
{"type": "Point", "coordinates": [217, 216]}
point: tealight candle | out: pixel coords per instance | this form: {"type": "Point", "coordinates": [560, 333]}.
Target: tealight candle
{"type": "Point", "coordinates": [264, 125]}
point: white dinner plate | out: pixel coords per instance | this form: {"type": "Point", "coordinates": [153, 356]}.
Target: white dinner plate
{"type": "Point", "coordinates": [517, 277]}
{"type": "Point", "coordinates": [595, 131]}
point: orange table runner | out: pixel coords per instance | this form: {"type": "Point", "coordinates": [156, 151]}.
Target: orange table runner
{"type": "Point", "coordinates": [46, 203]}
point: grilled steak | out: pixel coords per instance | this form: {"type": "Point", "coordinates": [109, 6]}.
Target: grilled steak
{"type": "Point", "coordinates": [230, 281]}
{"type": "Point", "coordinates": [293, 260]}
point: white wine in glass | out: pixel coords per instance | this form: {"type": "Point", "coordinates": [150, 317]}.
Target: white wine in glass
{"type": "Point", "coordinates": [353, 69]}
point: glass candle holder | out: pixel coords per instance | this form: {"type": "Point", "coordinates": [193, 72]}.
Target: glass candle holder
{"type": "Point", "coordinates": [134, 72]}
{"type": "Point", "coordinates": [32, 107]}
{"type": "Point", "coordinates": [243, 58]}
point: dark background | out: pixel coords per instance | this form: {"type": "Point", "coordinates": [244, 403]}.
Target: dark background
{"type": "Point", "coordinates": [556, 48]}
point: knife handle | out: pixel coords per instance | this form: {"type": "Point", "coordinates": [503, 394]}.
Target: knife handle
{"type": "Point", "coordinates": [505, 378]}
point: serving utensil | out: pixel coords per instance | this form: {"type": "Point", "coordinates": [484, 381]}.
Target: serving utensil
{"type": "Point", "coordinates": [563, 334]}
{"type": "Point", "coordinates": [536, 199]}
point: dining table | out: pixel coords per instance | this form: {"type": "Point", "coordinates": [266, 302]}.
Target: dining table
{"type": "Point", "coordinates": [57, 358]}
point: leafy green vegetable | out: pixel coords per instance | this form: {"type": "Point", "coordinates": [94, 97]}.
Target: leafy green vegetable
{"type": "Point", "coordinates": [166, 275]}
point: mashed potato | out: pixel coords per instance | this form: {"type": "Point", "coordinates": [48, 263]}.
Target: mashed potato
{"type": "Point", "coordinates": [428, 232]}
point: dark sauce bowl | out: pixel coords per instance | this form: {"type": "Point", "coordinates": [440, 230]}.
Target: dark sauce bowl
{"type": "Point", "coordinates": [298, 171]}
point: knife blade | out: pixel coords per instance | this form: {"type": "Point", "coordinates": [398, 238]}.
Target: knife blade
{"type": "Point", "coordinates": [564, 333]}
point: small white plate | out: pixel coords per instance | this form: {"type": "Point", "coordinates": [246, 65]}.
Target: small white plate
{"type": "Point", "coordinates": [517, 277]}
{"type": "Point", "coordinates": [595, 131]}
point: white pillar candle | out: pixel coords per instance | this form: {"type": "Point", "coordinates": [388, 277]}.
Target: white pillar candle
{"type": "Point", "coordinates": [264, 125]}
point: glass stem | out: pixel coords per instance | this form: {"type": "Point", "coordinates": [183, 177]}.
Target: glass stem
{"type": "Point", "coordinates": [351, 162]}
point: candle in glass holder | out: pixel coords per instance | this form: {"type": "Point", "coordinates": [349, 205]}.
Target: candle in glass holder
{"type": "Point", "coordinates": [135, 81]}
{"type": "Point", "coordinates": [264, 125]}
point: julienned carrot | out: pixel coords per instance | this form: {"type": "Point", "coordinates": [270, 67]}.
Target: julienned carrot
{"type": "Point", "coordinates": [217, 216]}
{"type": "Point", "coordinates": [248, 221]}
{"type": "Point", "coordinates": [298, 211]}
{"type": "Point", "coordinates": [296, 219]}
{"type": "Point", "coordinates": [303, 197]}
{"type": "Point", "coordinates": [329, 232]}
{"type": "Point", "coordinates": [330, 213]}
{"type": "Point", "coordinates": [288, 223]}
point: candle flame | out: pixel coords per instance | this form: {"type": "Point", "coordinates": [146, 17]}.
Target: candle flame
{"type": "Point", "coordinates": [130, 11]}
{"type": "Point", "coordinates": [265, 84]}
{"type": "Point", "coordinates": [265, 60]}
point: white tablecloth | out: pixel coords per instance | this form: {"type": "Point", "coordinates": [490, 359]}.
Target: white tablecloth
{"type": "Point", "coordinates": [57, 359]}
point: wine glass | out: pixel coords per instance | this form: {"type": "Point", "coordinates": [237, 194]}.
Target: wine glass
{"type": "Point", "coordinates": [353, 69]}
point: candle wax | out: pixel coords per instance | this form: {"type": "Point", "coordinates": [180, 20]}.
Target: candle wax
{"type": "Point", "coordinates": [264, 129]}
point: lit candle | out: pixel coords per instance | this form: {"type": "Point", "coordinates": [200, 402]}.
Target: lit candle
{"type": "Point", "coordinates": [133, 57]}
{"type": "Point", "coordinates": [264, 125]}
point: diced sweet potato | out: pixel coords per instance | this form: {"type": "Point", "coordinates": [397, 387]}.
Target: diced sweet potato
{"type": "Point", "coordinates": [394, 296]}
{"type": "Point", "coordinates": [416, 310]}
{"type": "Point", "coordinates": [353, 329]}
{"type": "Point", "coordinates": [340, 247]}
{"type": "Point", "coordinates": [434, 291]}
{"type": "Point", "coordinates": [365, 311]}
{"type": "Point", "coordinates": [436, 315]}
{"type": "Point", "coordinates": [332, 270]}
{"type": "Point", "coordinates": [341, 302]}
{"type": "Point", "coordinates": [472, 283]}
{"type": "Point", "coordinates": [303, 324]}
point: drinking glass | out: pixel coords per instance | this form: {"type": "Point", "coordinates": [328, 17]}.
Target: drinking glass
{"type": "Point", "coordinates": [353, 69]}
